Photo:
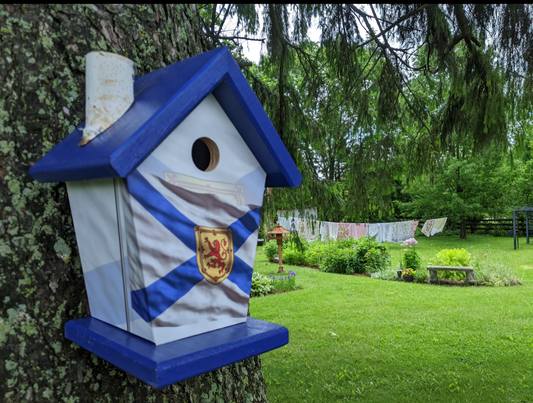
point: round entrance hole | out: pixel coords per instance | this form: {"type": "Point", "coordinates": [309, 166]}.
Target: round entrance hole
{"type": "Point", "coordinates": [205, 154]}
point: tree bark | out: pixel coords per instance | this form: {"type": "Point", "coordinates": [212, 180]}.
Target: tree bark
{"type": "Point", "coordinates": [462, 232]}
{"type": "Point", "coordinates": [42, 97]}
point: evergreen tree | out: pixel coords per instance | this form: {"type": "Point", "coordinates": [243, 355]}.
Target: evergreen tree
{"type": "Point", "coordinates": [474, 62]}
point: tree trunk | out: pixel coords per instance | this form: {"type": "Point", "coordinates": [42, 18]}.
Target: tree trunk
{"type": "Point", "coordinates": [42, 97]}
{"type": "Point", "coordinates": [462, 232]}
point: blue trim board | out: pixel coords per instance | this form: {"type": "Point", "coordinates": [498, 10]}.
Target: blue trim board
{"type": "Point", "coordinates": [163, 99]}
{"type": "Point", "coordinates": [176, 361]}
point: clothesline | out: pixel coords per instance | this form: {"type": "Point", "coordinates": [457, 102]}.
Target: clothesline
{"type": "Point", "coordinates": [396, 232]}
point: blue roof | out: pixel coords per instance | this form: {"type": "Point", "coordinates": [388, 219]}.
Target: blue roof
{"type": "Point", "coordinates": [163, 99]}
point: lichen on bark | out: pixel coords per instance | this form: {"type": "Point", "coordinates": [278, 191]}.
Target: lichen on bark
{"type": "Point", "coordinates": [42, 85]}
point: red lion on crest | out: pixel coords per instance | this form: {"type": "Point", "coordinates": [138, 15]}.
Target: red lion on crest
{"type": "Point", "coordinates": [218, 256]}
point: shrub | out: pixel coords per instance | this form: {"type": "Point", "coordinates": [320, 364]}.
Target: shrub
{"type": "Point", "coordinates": [364, 255]}
{"type": "Point", "coordinates": [261, 285]}
{"type": "Point", "coordinates": [342, 261]}
{"type": "Point", "coordinates": [372, 254]}
{"type": "Point", "coordinates": [452, 257]}
{"type": "Point", "coordinates": [271, 249]}
{"type": "Point", "coordinates": [293, 256]}
{"type": "Point", "coordinates": [284, 282]}
{"type": "Point", "coordinates": [421, 274]}
{"type": "Point", "coordinates": [491, 273]}
{"type": "Point", "coordinates": [411, 259]}
{"type": "Point", "coordinates": [292, 252]}
{"type": "Point", "coordinates": [316, 253]}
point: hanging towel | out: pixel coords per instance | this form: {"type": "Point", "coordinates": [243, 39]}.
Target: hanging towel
{"type": "Point", "coordinates": [310, 230]}
{"type": "Point", "coordinates": [333, 230]}
{"type": "Point", "coordinates": [372, 229]}
{"type": "Point", "coordinates": [357, 230]}
{"type": "Point", "coordinates": [343, 230]}
{"type": "Point", "coordinates": [294, 224]}
{"type": "Point", "coordinates": [386, 232]}
{"type": "Point", "coordinates": [284, 222]}
{"type": "Point", "coordinates": [428, 226]}
{"type": "Point", "coordinates": [438, 225]}
{"type": "Point", "coordinates": [415, 227]}
{"type": "Point", "coordinates": [401, 231]}
{"type": "Point", "coordinates": [324, 231]}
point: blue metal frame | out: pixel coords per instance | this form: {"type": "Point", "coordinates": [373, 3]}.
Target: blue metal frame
{"type": "Point", "coordinates": [526, 210]}
{"type": "Point", "coordinates": [163, 99]}
{"type": "Point", "coordinates": [179, 360]}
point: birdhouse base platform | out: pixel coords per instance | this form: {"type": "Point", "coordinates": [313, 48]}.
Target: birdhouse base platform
{"type": "Point", "coordinates": [176, 361]}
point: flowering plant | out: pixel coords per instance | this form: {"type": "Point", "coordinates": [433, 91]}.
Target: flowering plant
{"type": "Point", "coordinates": [282, 284]}
{"type": "Point", "coordinates": [409, 242]}
{"type": "Point", "coordinates": [410, 257]}
{"type": "Point", "coordinates": [408, 272]}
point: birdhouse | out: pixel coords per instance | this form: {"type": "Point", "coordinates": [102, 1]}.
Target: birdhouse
{"type": "Point", "coordinates": [166, 202]}
{"type": "Point", "coordinates": [278, 234]}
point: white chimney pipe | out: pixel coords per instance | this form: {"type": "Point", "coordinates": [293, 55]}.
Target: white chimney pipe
{"type": "Point", "coordinates": [108, 91]}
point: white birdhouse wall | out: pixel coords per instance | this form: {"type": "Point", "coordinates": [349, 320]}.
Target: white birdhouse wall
{"type": "Point", "coordinates": [173, 161]}
{"type": "Point", "coordinates": [179, 233]}
{"type": "Point", "coordinates": [94, 211]}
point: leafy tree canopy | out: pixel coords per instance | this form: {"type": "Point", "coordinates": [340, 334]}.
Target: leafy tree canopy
{"type": "Point", "coordinates": [388, 92]}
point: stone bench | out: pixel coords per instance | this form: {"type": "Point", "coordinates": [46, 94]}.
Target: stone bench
{"type": "Point", "coordinates": [434, 279]}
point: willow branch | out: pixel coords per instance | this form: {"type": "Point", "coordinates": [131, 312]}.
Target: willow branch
{"type": "Point", "coordinates": [224, 19]}
{"type": "Point", "coordinates": [396, 23]}
{"type": "Point", "coordinates": [244, 38]}
{"type": "Point", "coordinates": [213, 18]}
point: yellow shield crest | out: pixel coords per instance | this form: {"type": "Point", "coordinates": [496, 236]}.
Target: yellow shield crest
{"type": "Point", "coordinates": [214, 253]}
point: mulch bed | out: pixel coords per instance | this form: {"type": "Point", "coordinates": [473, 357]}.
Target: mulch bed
{"type": "Point", "coordinates": [452, 283]}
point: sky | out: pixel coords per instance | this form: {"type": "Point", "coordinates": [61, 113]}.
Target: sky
{"type": "Point", "coordinates": [252, 49]}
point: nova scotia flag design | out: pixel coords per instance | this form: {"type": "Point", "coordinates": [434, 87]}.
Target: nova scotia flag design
{"type": "Point", "coordinates": [165, 276]}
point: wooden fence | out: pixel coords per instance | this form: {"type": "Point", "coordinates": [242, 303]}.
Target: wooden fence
{"type": "Point", "coordinates": [494, 226]}
{"type": "Point", "coordinates": [499, 225]}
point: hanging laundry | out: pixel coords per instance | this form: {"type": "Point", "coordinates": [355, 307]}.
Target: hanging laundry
{"type": "Point", "coordinates": [324, 231]}
{"type": "Point", "coordinates": [333, 230]}
{"type": "Point", "coordinates": [428, 226]}
{"type": "Point", "coordinates": [310, 230]}
{"type": "Point", "coordinates": [415, 227]}
{"type": "Point", "coordinates": [372, 229]}
{"type": "Point", "coordinates": [385, 230]}
{"type": "Point", "coordinates": [438, 225]}
{"type": "Point", "coordinates": [284, 222]}
{"type": "Point", "coordinates": [357, 230]}
{"type": "Point", "coordinates": [402, 231]}
{"type": "Point", "coordinates": [294, 224]}
{"type": "Point", "coordinates": [344, 230]}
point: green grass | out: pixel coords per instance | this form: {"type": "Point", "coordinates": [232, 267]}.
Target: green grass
{"type": "Point", "coordinates": [361, 339]}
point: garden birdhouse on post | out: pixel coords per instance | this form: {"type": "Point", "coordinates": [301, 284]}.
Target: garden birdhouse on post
{"type": "Point", "coordinates": [278, 233]}
{"type": "Point", "coordinates": [166, 203]}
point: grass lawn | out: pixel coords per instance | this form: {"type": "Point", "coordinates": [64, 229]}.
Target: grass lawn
{"type": "Point", "coordinates": [361, 339]}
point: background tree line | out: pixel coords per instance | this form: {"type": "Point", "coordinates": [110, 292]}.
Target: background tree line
{"type": "Point", "coordinates": [416, 110]}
